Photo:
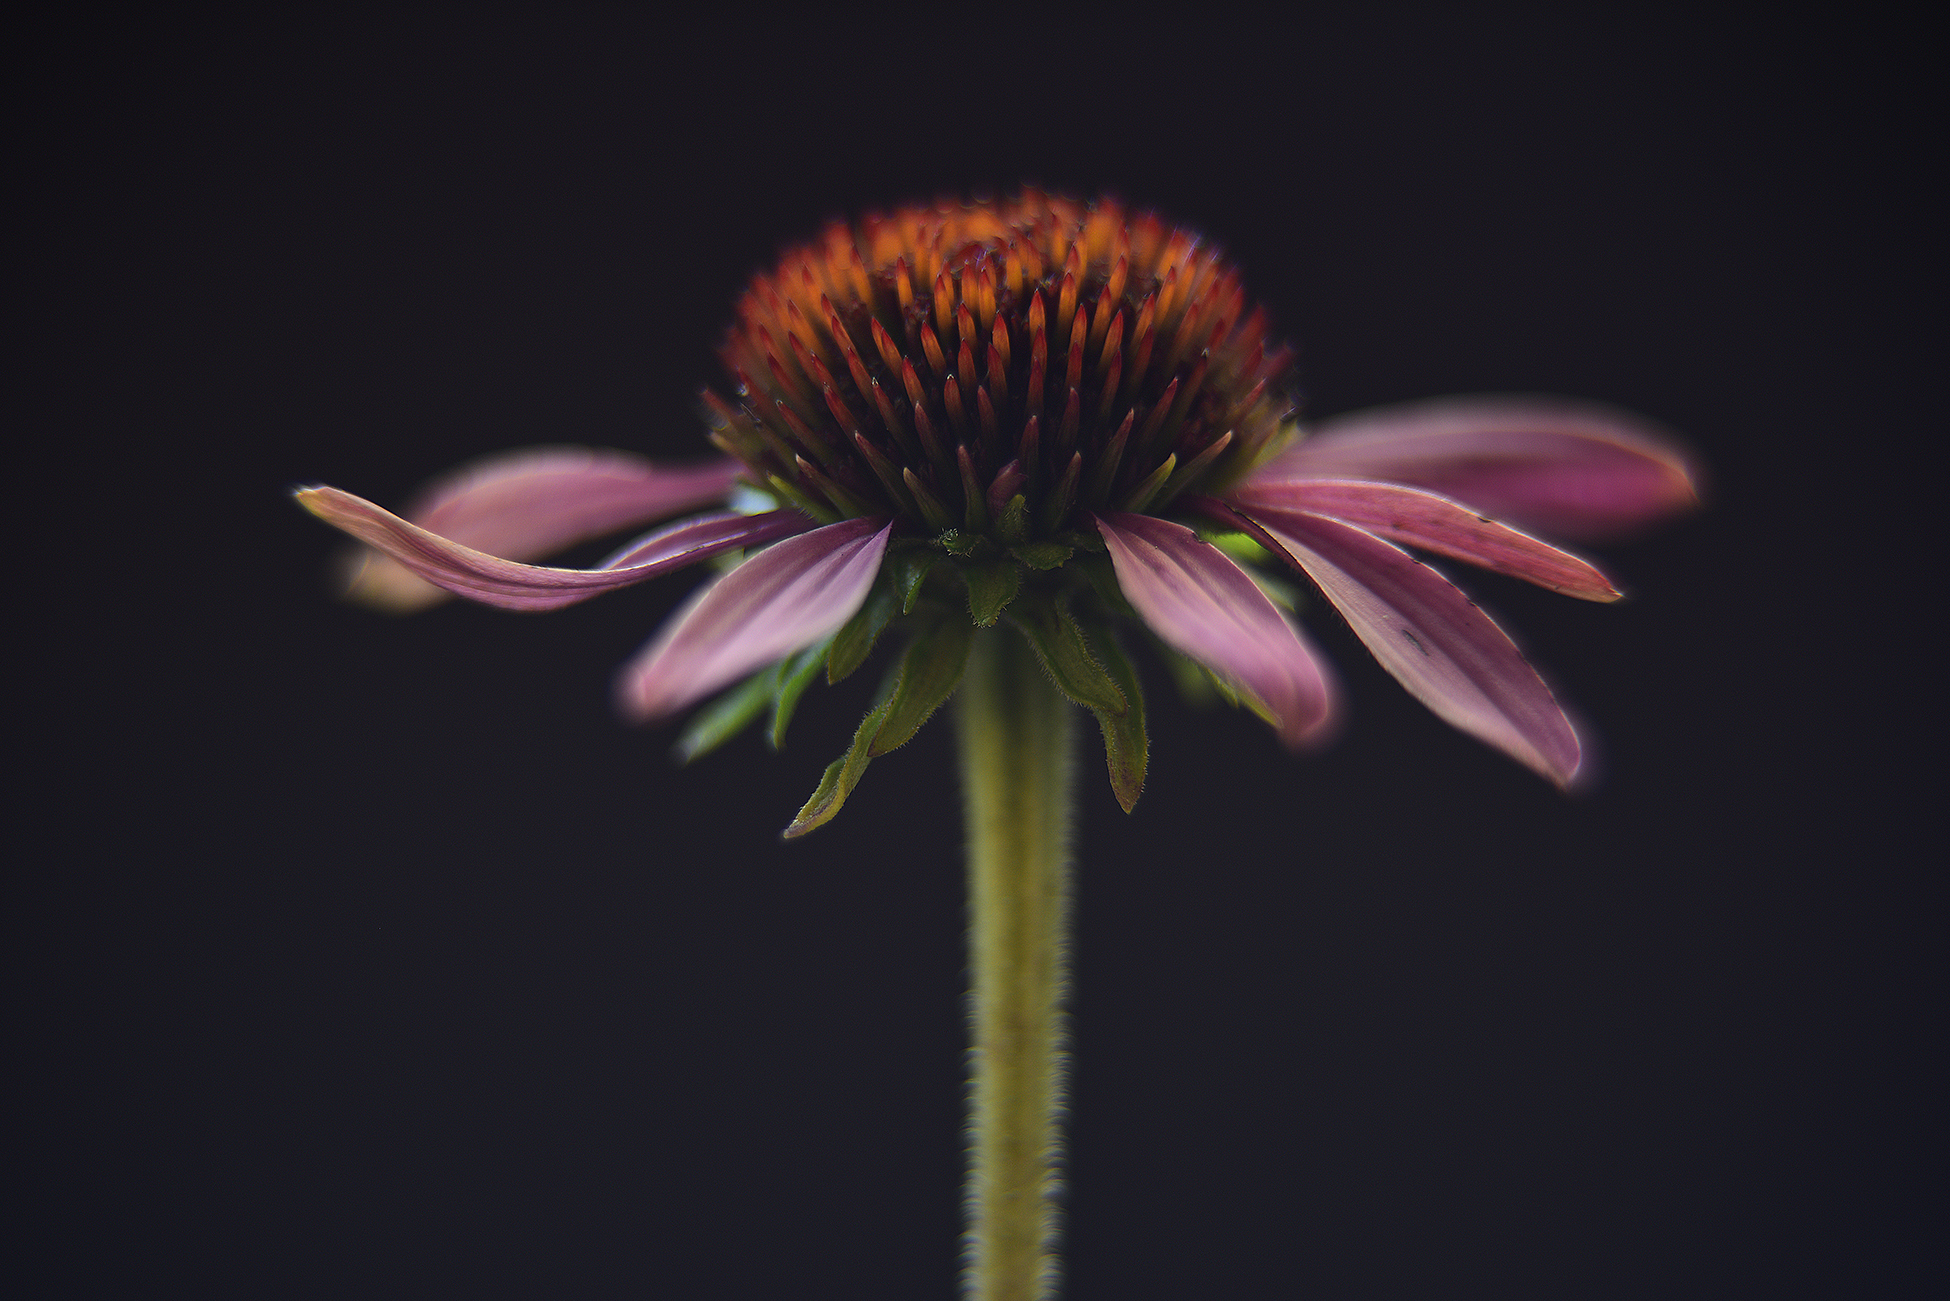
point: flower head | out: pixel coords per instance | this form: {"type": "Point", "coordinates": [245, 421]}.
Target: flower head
{"type": "Point", "coordinates": [1017, 412]}
{"type": "Point", "coordinates": [936, 366]}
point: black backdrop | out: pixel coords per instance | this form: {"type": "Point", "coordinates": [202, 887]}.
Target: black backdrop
{"type": "Point", "coordinates": [358, 956]}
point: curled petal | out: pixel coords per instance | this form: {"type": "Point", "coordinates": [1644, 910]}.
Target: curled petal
{"type": "Point", "coordinates": [1447, 652]}
{"type": "Point", "coordinates": [1566, 469]}
{"type": "Point", "coordinates": [493, 580]}
{"type": "Point", "coordinates": [781, 600]}
{"type": "Point", "coordinates": [1433, 523]}
{"type": "Point", "coordinates": [1201, 603]}
{"type": "Point", "coordinates": [530, 504]}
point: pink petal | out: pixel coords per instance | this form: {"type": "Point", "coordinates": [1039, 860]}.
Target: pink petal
{"type": "Point", "coordinates": [781, 600]}
{"type": "Point", "coordinates": [1565, 469]}
{"type": "Point", "coordinates": [1447, 652]}
{"type": "Point", "coordinates": [530, 504]}
{"type": "Point", "coordinates": [1433, 523]}
{"type": "Point", "coordinates": [1199, 602]}
{"type": "Point", "coordinates": [512, 586]}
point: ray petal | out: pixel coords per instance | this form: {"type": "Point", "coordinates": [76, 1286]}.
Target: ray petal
{"type": "Point", "coordinates": [781, 600]}
{"type": "Point", "coordinates": [1199, 602]}
{"type": "Point", "coordinates": [1432, 522]}
{"type": "Point", "coordinates": [1565, 469]}
{"type": "Point", "coordinates": [1425, 632]}
{"type": "Point", "coordinates": [510, 585]}
{"type": "Point", "coordinates": [530, 504]}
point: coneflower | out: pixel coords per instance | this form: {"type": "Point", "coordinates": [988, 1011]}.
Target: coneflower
{"type": "Point", "coordinates": [998, 430]}
{"type": "Point", "coordinates": [989, 376]}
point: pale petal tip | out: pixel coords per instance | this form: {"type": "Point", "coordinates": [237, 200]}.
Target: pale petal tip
{"type": "Point", "coordinates": [379, 582]}
{"type": "Point", "coordinates": [1572, 780]}
{"type": "Point", "coordinates": [312, 498]}
{"type": "Point", "coordinates": [1305, 726]}
{"type": "Point", "coordinates": [629, 697]}
{"type": "Point", "coordinates": [1586, 771]}
{"type": "Point", "coordinates": [1561, 755]}
{"type": "Point", "coordinates": [363, 575]}
{"type": "Point", "coordinates": [1322, 729]}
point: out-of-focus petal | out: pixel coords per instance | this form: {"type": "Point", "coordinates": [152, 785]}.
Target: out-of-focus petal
{"type": "Point", "coordinates": [1447, 652]}
{"type": "Point", "coordinates": [779, 601]}
{"type": "Point", "coordinates": [1199, 602]}
{"type": "Point", "coordinates": [1565, 469]}
{"type": "Point", "coordinates": [1433, 523]}
{"type": "Point", "coordinates": [514, 586]}
{"type": "Point", "coordinates": [530, 504]}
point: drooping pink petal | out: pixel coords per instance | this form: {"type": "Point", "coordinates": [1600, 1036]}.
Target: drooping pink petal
{"type": "Point", "coordinates": [1565, 469]}
{"type": "Point", "coordinates": [527, 505]}
{"type": "Point", "coordinates": [1447, 652]}
{"type": "Point", "coordinates": [781, 600]}
{"type": "Point", "coordinates": [493, 580]}
{"type": "Point", "coordinates": [1432, 522]}
{"type": "Point", "coordinates": [1199, 602]}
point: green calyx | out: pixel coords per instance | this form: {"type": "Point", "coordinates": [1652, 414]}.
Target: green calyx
{"type": "Point", "coordinates": [932, 599]}
{"type": "Point", "coordinates": [931, 602]}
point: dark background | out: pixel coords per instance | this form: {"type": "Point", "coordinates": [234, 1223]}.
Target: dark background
{"type": "Point", "coordinates": [360, 956]}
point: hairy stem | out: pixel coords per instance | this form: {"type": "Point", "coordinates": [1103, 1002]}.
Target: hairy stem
{"type": "Point", "coordinates": [1015, 734]}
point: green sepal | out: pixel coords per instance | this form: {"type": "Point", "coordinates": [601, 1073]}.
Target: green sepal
{"type": "Point", "coordinates": [1083, 540]}
{"type": "Point", "coordinates": [1103, 580]}
{"type": "Point", "coordinates": [795, 674]}
{"type": "Point", "coordinates": [848, 503]}
{"type": "Point", "coordinates": [975, 507]}
{"type": "Point", "coordinates": [1242, 547]}
{"type": "Point", "coordinates": [725, 717]}
{"type": "Point", "coordinates": [1013, 524]}
{"type": "Point", "coordinates": [1141, 496]}
{"type": "Point", "coordinates": [841, 776]}
{"type": "Point", "coordinates": [1232, 695]}
{"type": "Point", "coordinates": [930, 672]}
{"type": "Point", "coordinates": [1042, 555]}
{"type": "Point", "coordinates": [1197, 684]}
{"type": "Point", "coordinates": [802, 499]}
{"type": "Point", "coordinates": [1278, 591]}
{"type": "Point", "coordinates": [910, 569]}
{"type": "Point", "coordinates": [961, 542]}
{"type": "Point", "coordinates": [1193, 469]}
{"type": "Point", "coordinates": [991, 586]}
{"type": "Point", "coordinates": [844, 773]}
{"type": "Point", "coordinates": [931, 509]}
{"type": "Point", "coordinates": [1059, 643]}
{"type": "Point", "coordinates": [1126, 748]}
{"type": "Point", "coordinates": [1194, 682]}
{"type": "Point", "coordinates": [854, 641]}
{"type": "Point", "coordinates": [1260, 709]}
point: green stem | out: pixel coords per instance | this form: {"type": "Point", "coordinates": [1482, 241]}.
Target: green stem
{"type": "Point", "coordinates": [1015, 733]}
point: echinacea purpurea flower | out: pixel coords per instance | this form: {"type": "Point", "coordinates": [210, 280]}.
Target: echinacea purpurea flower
{"type": "Point", "coordinates": [1022, 413]}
